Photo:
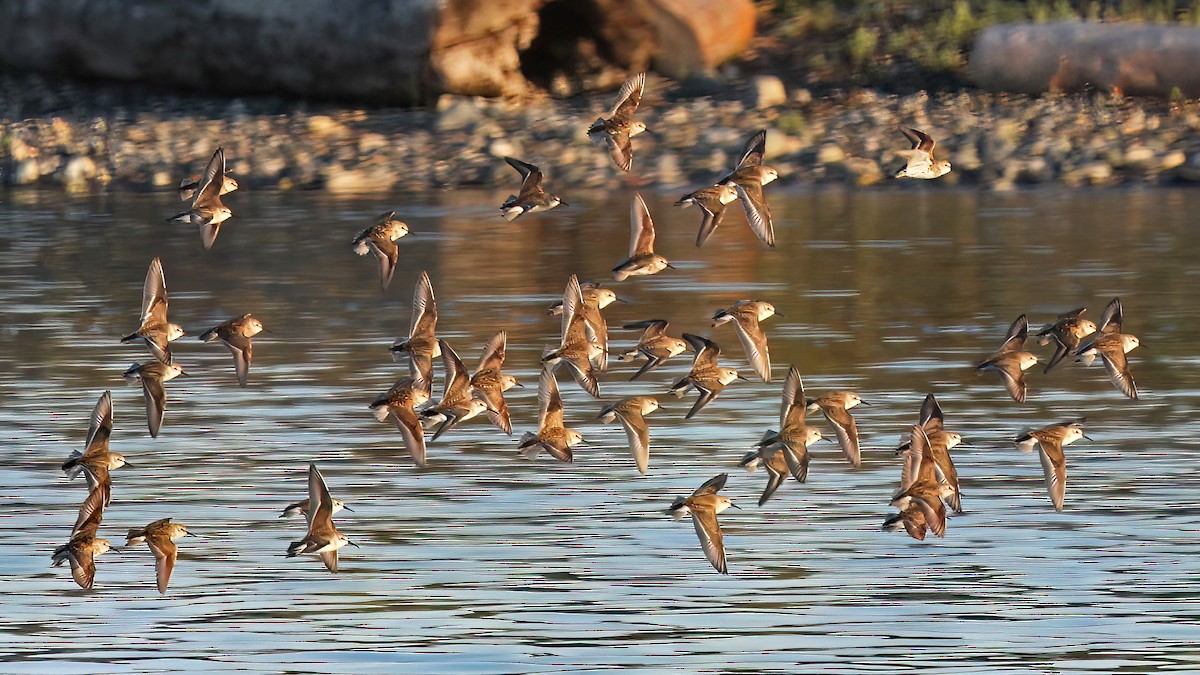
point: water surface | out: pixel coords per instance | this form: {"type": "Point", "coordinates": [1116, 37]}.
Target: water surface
{"type": "Point", "coordinates": [485, 562]}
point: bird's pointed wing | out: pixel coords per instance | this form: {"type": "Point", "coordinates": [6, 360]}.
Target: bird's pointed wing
{"type": "Point", "coordinates": [1054, 467]}
{"type": "Point", "coordinates": [797, 461]}
{"type": "Point", "coordinates": [388, 254]}
{"type": "Point", "coordinates": [91, 512]}
{"type": "Point", "coordinates": [320, 504]}
{"type": "Point", "coordinates": [457, 380]}
{"type": "Point", "coordinates": [210, 183]}
{"type": "Point", "coordinates": [1112, 318]}
{"type": "Point", "coordinates": [846, 430]}
{"type": "Point", "coordinates": [1014, 340]}
{"type": "Point", "coordinates": [156, 403]}
{"type": "Point", "coordinates": [412, 432]}
{"type": "Point", "coordinates": [243, 352]}
{"type": "Point", "coordinates": [572, 301]}
{"type": "Point", "coordinates": [752, 153]}
{"type": "Point", "coordinates": [754, 342]}
{"type": "Point", "coordinates": [932, 418]}
{"type": "Point", "coordinates": [424, 318]}
{"type": "Point", "coordinates": [165, 553]}
{"type": "Point", "coordinates": [620, 148]}
{"type": "Point", "coordinates": [775, 477]}
{"type": "Point", "coordinates": [629, 97]}
{"type": "Point", "coordinates": [100, 425]}
{"type": "Point", "coordinates": [498, 410]}
{"type": "Point", "coordinates": [550, 408]}
{"type": "Point", "coordinates": [709, 532]}
{"type": "Point", "coordinates": [531, 176]}
{"type": "Point", "coordinates": [707, 351]}
{"type": "Point", "coordinates": [584, 373]}
{"type": "Point", "coordinates": [494, 352]}
{"type": "Point", "coordinates": [706, 397]}
{"type": "Point", "coordinates": [1117, 365]}
{"type": "Point", "coordinates": [330, 558]}
{"type": "Point", "coordinates": [792, 409]}
{"type": "Point", "coordinates": [712, 486]}
{"type": "Point", "coordinates": [154, 294]}
{"type": "Point", "coordinates": [641, 241]}
{"type": "Point", "coordinates": [638, 434]}
{"type": "Point", "coordinates": [208, 234]}
{"type": "Point", "coordinates": [1014, 382]}
{"type": "Point", "coordinates": [758, 214]}
{"type": "Point", "coordinates": [83, 567]}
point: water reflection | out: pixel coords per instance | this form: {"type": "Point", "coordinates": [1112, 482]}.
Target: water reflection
{"type": "Point", "coordinates": [487, 563]}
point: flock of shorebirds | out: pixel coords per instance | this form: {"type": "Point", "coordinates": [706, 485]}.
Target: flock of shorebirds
{"type": "Point", "coordinates": [929, 482]}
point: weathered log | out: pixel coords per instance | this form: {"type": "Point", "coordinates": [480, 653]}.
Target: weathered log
{"type": "Point", "coordinates": [404, 52]}
{"type": "Point", "coordinates": [1129, 59]}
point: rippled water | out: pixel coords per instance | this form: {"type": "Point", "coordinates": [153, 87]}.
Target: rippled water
{"type": "Point", "coordinates": [485, 562]}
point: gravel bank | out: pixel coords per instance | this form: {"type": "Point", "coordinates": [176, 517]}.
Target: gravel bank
{"type": "Point", "coordinates": [85, 137]}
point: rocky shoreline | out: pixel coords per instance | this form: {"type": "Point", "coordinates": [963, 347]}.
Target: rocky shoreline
{"type": "Point", "coordinates": [97, 137]}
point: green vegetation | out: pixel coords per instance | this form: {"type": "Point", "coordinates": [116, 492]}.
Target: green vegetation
{"type": "Point", "coordinates": [895, 43]}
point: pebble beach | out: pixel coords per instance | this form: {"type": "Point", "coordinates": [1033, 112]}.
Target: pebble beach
{"type": "Point", "coordinates": [95, 137]}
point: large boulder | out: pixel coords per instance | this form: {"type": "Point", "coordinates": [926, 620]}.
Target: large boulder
{"type": "Point", "coordinates": [404, 52]}
{"type": "Point", "coordinates": [1129, 59]}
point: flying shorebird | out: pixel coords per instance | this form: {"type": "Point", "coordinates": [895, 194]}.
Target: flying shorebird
{"type": "Point", "coordinates": [381, 239]}
{"type": "Point", "coordinates": [1011, 360]}
{"type": "Point", "coordinates": [96, 460]}
{"type": "Point", "coordinates": [1051, 440]}
{"type": "Point", "coordinates": [458, 402]}
{"type": "Point", "coordinates": [705, 376]}
{"type": "Point", "coordinates": [654, 344]}
{"type": "Point", "coordinates": [323, 538]}
{"type": "Point", "coordinates": [792, 440]}
{"type": "Point", "coordinates": [939, 443]}
{"type": "Point", "coordinates": [399, 402]}
{"type": "Point", "coordinates": [921, 163]}
{"type": "Point", "coordinates": [206, 211]}
{"type": "Point", "coordinates": [532, 197]}
{"type": "Point", "coordinates": [152, 376]}
{"type": "Point", "coordinates": [160, 536]}
{"type": "Point", "coordinates": [84, 546]}
{"type": "Point", "coordinates": [156, 331]}
{"type": "Point", "coordinates": [594, 327]}
{"type": "Point", "coordinates": [747, 178]}
{"type": "Point", "coordinates": [421, 345]}
{"type": "Point", "coordinates": [836, 408]}
{"type": "Point", "coordinates": [746, 315]}
{"type": "Point", "coordinates": [620, 126]}
{"type": "Point", "coordinates": [576, 348]}
{"type": "Point", "coordinates": [919, 496]}
{"type": "Point", "coordinates": [1111, 345]}
{"type": "Point", "coordinates": [1066, 333]}
{"type": "Point", "coordinates": [642, 260]}
{"type": "Point", "coordinates": [703, 506]}
{"type": "Point", "coordinates": [236, 335]}
{"type": "Point", "coordinates": [490, 382]}
{"type": "Point", "coordinates": [632, 412]}
{"type": "Point", "coordinates": [551, 435]}
{"type": "Point", "coordinates": [711, 201]}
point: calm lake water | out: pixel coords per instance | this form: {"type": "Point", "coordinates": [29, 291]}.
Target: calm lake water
{"type": "Point", "coordinates": [485, 562]}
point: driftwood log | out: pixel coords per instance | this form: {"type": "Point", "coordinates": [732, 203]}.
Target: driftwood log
{"type": "Point", "coordinates": [1128, 59]}
{"type": "Point", "coordinates": [401, 52]}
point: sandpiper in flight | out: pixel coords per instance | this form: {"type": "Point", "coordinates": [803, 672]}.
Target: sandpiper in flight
{"type": "Point", "coordinates": [632, 412]}
{"type": "Point", "coordinates": [160, 536]}
{"type": "Point", "coordinates": [919, 495]}
{"type": "Point", "coordinates": [575, 349]}
{"type": "Point", "coordinates": [706, 376]}
{"type": "Point", "coordinates": [152, 376]}
{"type": "Point", "coordinates": [97, 460]}
{"type": "Point", "coordinates": [459, 402]}
{"type": "Point", "coordinates": [921, 163]}
{"type": "Point", "coordinates": [792, 439]}
{"type": "Point", "coordinates": [712, 201]}
{"type": "Point", "coordinates": [654, 344]}
{"type": "Point", "coordinates": [642, 260]}
{"type": "Point", "coordinates": [421, 346]}
{"type": "Point", "coordinates": [1011, 360]}
{"type": "Point", "coordinates": [399, 402]}
{"type": "Point", "coordinates": [1112, 346]}
{"type": "Point", "coordinates": [703, 506]}
{"type": "Point", "coordinates": [532, 197]}
{"type": "Point", "coordinates": [836, 408]}
{"type": "Point", "coordinates": [490, 381]}
{"type": "Point", "coordinates": [381, 239]}
{"type": "Point", "coordinates": [156, 331]}
{"type": "Point", "coordinates": [746, 315]}
{"type": "Point", "coordinates": [323, 538]}
{"type": "Point", "coordinates": [236, 335]}
{"type": "Point", "coordinates": [206, 211]}
{"type": "Point", "coordinates": [620, 126]}
{"type": "Point", "coordinates": [551, 435]}
{"type": "Point", "coordinates": [1066, 333]}
{"type": "Point", "coordinates": [1051, 440]}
